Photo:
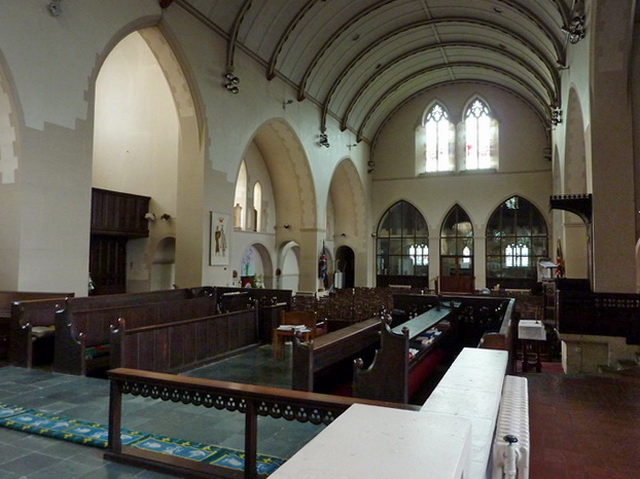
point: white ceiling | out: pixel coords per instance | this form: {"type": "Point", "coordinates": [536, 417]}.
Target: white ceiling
{"type": "Point", "coordinates": [360, 60]}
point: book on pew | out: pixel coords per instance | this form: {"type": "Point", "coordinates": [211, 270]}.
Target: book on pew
{"type": "Point", "coordinates": [293, 327]}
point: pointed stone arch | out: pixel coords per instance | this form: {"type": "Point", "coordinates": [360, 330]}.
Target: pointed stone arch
{"type": "Point", "coordinates": [190, 224]}
{"type": "Point", "coordinates": [350, 213]}
{"type": "Point", "coordinates": [573, 234]}
{"type": "Point", "coordinates": [10, 120]}
{"type": "Point", "coordinates": [291, 176]}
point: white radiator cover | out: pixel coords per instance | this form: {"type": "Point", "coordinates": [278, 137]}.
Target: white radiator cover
{"type": "Point", "coordinates": [513, 419]}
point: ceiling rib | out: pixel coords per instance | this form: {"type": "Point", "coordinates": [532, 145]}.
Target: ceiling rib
{"type": "Point", "coordinates": [550, 89]}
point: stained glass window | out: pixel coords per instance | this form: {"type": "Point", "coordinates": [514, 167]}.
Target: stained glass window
{"type": "Point", "coordinates": [438, 140]}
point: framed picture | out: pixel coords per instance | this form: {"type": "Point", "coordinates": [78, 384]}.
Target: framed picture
{"type": "Point", "coordinates": [218, 239]}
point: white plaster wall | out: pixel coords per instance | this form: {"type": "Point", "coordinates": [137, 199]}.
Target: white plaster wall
{"type": "Point", "coordinates": [52, 62]}
{"type": "Point", "coordinates": [135, 148]}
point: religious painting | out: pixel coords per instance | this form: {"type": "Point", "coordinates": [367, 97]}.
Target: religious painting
{"type": "Point", "coordinates": [218, 241]}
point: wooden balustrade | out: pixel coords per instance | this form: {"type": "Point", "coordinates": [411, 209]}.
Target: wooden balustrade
{"type": "Point", "coordinates": [250, 400]}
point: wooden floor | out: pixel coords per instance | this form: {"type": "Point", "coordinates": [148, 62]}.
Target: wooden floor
{"type": "Point", "coordinates": [584, 426]}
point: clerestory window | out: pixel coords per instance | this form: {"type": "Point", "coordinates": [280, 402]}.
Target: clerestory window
{"type": "Point", "coordinates": [439, 135]}
{"type": "Point", "coordinates": [471, 145]}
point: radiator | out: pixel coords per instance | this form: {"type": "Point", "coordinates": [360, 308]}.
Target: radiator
{"type": "Point", "coordinates": [511, 461]}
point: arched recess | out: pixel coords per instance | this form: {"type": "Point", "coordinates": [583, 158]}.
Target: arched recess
{"type": "Point", "coordinates": [256, 267]}
{"type": "Point", "coordinates": [457, 252]}
{"type": "Point", "coordinates": [296, 216]}
{"type": "Point", "coordinates": [574, 235]}
{"type": "Point", "coordinates": [345, 268]}
{"type": "Point", "coordinates": [288, 274]}
{"type": "Point", "coordinates": [163, 264]}
{"type": "Point", "coordinates": [147, 141]}
{"type": "Point", "coordinates": [288, 166]}
{"type": "Point", "coordinates": [346, 202]}
{"type": "Point", "coordinates": [9, 189]}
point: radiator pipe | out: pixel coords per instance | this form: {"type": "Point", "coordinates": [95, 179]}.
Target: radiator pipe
{"type": "Point", "coordinates": [510, 458]}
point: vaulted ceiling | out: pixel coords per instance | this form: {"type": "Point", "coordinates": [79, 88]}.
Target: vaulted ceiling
{"type": "Point", "coordinates": [361, 60]}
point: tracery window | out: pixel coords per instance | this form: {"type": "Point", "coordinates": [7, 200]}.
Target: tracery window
{"type": "Point", "coordinates": [402, 251]}
{"type": "Point", "coordinates": [456, 244]}
{"type": "Point", "coordinates": [471, 145]}
{"type": "Point", "coordinates": [517, 239]}
{"type": "Point", "coordinates": [477, 127]}
{"type": "Point", "coordinates": [438, 140]}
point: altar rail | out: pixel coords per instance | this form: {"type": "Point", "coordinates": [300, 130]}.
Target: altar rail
{"type": "Point", "coordinates": [250, 400]}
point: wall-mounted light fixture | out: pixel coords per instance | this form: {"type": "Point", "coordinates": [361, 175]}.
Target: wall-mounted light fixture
{"type": "Point", "coordinates": [54, 8]}
{"type": "Point", "coordinates": [287, 226]}
{"type": "Point", "coordinates": [324, 140]}
{"type": "Point", "coordinates": [372, 166]}
{"type": "Point", "coordinates": [150, 216]}
{"type": "Point", "coordinates": [353, 145]}
{"type": "Point", "coordinates": [556, 115]}
{"type": "Point", "coordinates": [165, 217]}
{"type": "Point", "coordinates": [231, 82]}
{"type": "Point", "coordinates": [286, 102]}
{"type": "Point", "coordinates": [576, 29]}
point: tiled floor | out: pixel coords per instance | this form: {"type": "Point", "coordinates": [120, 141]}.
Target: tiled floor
{"type": "Point", "coordinates": [582, 427]}
{"type": "Point", "coordinates": [28, 456]}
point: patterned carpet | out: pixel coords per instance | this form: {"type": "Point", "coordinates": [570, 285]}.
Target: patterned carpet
{"type": "Point", "coordinates": [96, 435]}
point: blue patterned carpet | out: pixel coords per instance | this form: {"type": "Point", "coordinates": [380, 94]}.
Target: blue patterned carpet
{"type": "Point", "coordinates": [96, 435]}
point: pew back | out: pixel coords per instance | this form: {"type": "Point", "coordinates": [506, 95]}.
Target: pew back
{"type": "Point", "coordinates": [182, 344]}
{"type": "Point", "coordinates": [31, 320]}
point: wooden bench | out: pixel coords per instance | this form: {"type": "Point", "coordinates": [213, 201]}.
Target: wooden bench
{"type": "Point", "coordinates": [408, 354]}
{"type": "Point", "coordinates": [485, 321]}
{"type": "Point", "coordinates": [331, 350]}
{"type": "Point", "coordinates": [32, 331]}
{"type": "Point", "coordinates": [270, 303]}
{"type": "Point", "coordinates": [182, 344]}
{"type": "Point", "coordinates": [7, 298]}
{"type": "Point", "coordinates": [83, 333]}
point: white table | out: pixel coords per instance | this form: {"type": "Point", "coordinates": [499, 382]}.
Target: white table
{"type": "Point", "coordinates": [531, 330]}
{"type": "Point", "coordinates": [370, 442]}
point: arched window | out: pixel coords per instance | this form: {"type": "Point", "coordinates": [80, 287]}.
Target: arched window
{"type": "Point", "coordinates": [516, 240]}
{"type": "Point", "coordinates": [402, 247]}
{"type": "Point", "coordinates": [257, 206]}
{"type": "Point", "coordinates": [439, 140]}
{"type": "Point", "coordinates": [456, 252]}
{"type": "Point", "coordinates": [481, 139]}
{"type": "Point", "coordinates": [240, 198]}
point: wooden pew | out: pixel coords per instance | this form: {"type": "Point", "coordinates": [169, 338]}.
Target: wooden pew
{"type": "Point", "coordinates": [270, 303]}
{"type": "Point", "coordinates": [485, 321]}
{"type": "Point", "coordinates": [326, 351]}
{"type": "Point", "coordinates": [33, 329]}
{"type": "Point", "coordinates": [7, 298]}
{"type": "Point", "coordinates": [404, 361]}
{"type": "Point", "coordinates": [176, 346]}
{"type": "Point", "coordinates": [83, 333]}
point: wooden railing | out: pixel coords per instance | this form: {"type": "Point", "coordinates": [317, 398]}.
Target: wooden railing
{"type": "Point", "coordinates": [250, 400]}
{"type": "Point", "coordinates": [602, 314]}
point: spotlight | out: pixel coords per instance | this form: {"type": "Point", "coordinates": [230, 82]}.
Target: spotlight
{"type": "Point", "coordinates": [231, 82]}
{"type": "Point", "coordinates": [576, 29]}
{"type": "Point", "coordinates": [324, 140]}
